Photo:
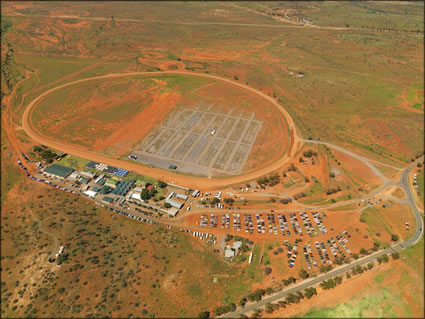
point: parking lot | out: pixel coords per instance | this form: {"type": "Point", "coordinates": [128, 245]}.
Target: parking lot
{"type": "Point", "coordinates": [201, 141]}
{"type": "Point", "coordinates": [289, 226]}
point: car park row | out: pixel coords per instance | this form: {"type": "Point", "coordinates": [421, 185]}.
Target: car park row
{"type": "Point", "coordinates": [273, 224]}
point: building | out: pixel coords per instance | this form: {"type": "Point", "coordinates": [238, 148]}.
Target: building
{"type": "Point", "coordinates": [236, 246]}
{"type": "Point", "coordinates": [87, 174]}
{"type": "Point", "coordinates": [99, 178]}
{"type": "Point", "coordinates": [108, 199]}
{"type": "Point", "coordinates": [171, 211]}
{"type": "Point", "coordinates": [57, 170]}
{"type": "Point", "coordinates": [136, 196]}
{"type": "Point", "coordinates": [90, 193]}
{"type": "Point", "coordinates": [173, 202]}
{"type": "Point", "coordinates": [84, 180]}
{"type": "Point", "coordinates": [74, 175]}
{"type": "Point", "coordinates": [229, 253]}
{"type": "Point", "coordinates": [138, 189]}
{"type": "Point", "coordinates": [195, 193]}
{"type": "Point", "coordinates": [181, 196]}
{"type": "Point", "coordinates": [111, 182]}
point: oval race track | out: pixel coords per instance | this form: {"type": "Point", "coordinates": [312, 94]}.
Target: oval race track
{"type": "Point", "coordinates": [187, 181]}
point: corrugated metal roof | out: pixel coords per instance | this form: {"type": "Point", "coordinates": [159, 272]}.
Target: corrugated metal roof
{"type": "Point", "coordinates": [59, 170]}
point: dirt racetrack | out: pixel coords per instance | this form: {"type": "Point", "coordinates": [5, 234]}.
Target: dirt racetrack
{"type": "Point", "coordinates": [192, 182]}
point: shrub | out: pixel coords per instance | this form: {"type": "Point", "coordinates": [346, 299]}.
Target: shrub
{"type": "Point", "coordinates": [242, 302]}
{"type": "Point", "coordinates": [338, 280]}
{"type": "Point", "coordinates": [303, 273]}
{"type": "Point", "coordinates": [256, 295]}
{"type": "Point", "coordinates": [269, 308]}
{"type": "Point", "coordinates": [162, 184]}
{"type": "Point", "coordinates": [328, 284]}
{"type": "Point", "coordinates": [310, 292]}
{"type": "Point", "coordinates": [325, 268]}
{"type": "Point", "coordinates": [395, 237]}
{"type": "Point", "coordinates": [269, 291]}
{"type": "Point", "coordinates": [204, 314]}
{"type": "Point", "coordinates": [286, 200]}
{"type": "Point", "coordinates": [385, 258]}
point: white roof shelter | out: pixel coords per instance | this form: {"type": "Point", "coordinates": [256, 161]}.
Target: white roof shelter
{"type": "Point", "coordinates": [90, 193]}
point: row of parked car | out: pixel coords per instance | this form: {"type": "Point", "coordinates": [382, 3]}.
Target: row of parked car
{"type": "Point", "coordinates": [141, 219]}
{"type": "Point", "coordinates": [47, 182]}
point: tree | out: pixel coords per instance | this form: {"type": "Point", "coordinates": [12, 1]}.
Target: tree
{"type": "Point", "coordinates": [395, 256]}
{"type": "Point", "coordinates": [269, 291]}
{"type": "Point", "coordinates": [215, 200]}
{"type": "Point", "coordinates": [356, 256]}
{"type": "Point", "coordinates": [303, 273]}
{"type": "Point", "coordinates": [328, 284]}
{"type": "Point", "coordinates": [338, 280]}
{"type": "Point", "coordinates": [235, 78]}
{"type": "Point", "coordinates": [162, 184]}
{"type": "Point", "coordinates": [395, 237]}
{"type": "Point", "coordinates": [269, 308]}
{"type": "Point", "coordinates": [310, 292]}
{"type": "Point", "coordinates": [385, 258]}
{"type": "Point", "coordinates": [242, 302]}
{"type": "Point", "coordinates": [325, 268]}
{"type": "Point", "coordinates": [204, 314]}
{"type": "Point", "coordinates": [267, 270]}
{"type": "Point", "coordinates": [348, 275]}
{"type": "Point", "coordinates": [256, 295]}
{"type": "Point", "coordinates": [370, 265]}
{"type": "Point", "coordinates": [167, 205]}
{"type": "Point", "coordinates": [286, 200]}
{"type": "Point", "coordinates": [145, 194]}
{"type": "Point", "coordinates": [363, 251]}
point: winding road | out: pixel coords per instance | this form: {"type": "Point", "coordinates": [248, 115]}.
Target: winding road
{"type": "Point", "coordinates": [195, 182]}
{"type": "Point", "coordinates": [404, 183]}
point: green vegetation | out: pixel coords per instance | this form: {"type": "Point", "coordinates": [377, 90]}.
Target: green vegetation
{"type": "Point", "coordinates": [374, 220]}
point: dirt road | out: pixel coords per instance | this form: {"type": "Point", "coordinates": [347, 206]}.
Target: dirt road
{"type": "Point", "coordinates": [191, 182]}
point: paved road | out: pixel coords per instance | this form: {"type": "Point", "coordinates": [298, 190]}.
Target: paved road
{"type": "Point", "coordinates": [344, 268]}
{"type": "Point", "coordinates": [363, 159]}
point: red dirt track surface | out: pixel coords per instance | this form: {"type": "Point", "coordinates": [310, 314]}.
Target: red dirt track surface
{"type": "Point", "coordinates": [192, 182]}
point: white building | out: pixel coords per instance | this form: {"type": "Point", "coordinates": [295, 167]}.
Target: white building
{"type": "Point", "coordinates": [87, 174]}
{"type": "Point", "coordinates": [90, 193]}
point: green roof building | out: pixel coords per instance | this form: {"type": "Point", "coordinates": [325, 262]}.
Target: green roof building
{"type": "Point", "coordinates": [108, 199]}
{"type": "Point", "coordinates": [111, 182]}
{"type": "Point", "coordinates": [59, 170]}
{"type": "Point", "coordinates": [84, 180]}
